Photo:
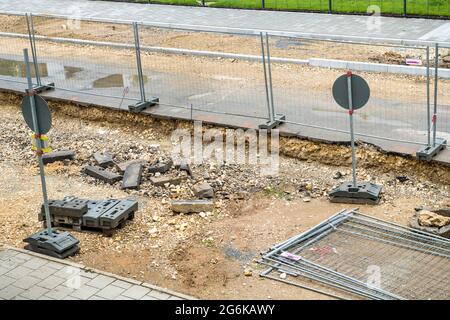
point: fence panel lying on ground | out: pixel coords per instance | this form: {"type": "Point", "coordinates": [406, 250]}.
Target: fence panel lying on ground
{"type": "Point", "coordinates": [367, 257]}
{"type": "Point", "coordinates": [243, 73]}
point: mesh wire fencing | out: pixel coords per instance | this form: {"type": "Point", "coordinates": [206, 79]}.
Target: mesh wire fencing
{"type": "Point", "coordinates": [223, 73]}
{"type": "Point", "coordinates": [368, 257]}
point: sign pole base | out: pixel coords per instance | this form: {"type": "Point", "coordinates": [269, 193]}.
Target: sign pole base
{"type": "Point", "coordinates": [141, 106]}
{"type": "Point", "coordinates": [428, 152]}
{"type": "Point", "coordinates": [59, 244]}
{"type": "Point", "coordinates": [362, 193]}
{"type": "Point", "coordinates": [45, 87]}
{"type": "Point", "coordinates": [271, 124]}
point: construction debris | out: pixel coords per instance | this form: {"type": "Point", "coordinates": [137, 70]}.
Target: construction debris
{"type": "Point", "coordinates": [132, 176]}
{"type": "Point", "coordinates": [350, 250]}
{"type": "Point", "coordinates": [167, 180]}
{"type": "Point", "coordinates": [203, 190]}
{"type": "Point", "coordinates": [103, 159]}
{"type": "Point", "coordinates": [435, 222]}
{"type": "Point", "coordinates": [192, 206]}
{"type": "Point", "coordinates": [102, 174]}
{"type": "Point", "coordinates": [58, 156]}
{"type": "Point", "coordinates": [123, 165]}
{"type": "Point", "coordinates": [160, 167]}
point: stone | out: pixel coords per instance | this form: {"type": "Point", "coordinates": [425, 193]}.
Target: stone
{"type": "Point", "coordinates": [123, 165]}
{"type": "Point", "coordinates": [185, 167]}
{"type": "Point", "coordinates": [203, 190]}
{"type": "Point", "coordinates": [192, 206]}
{"type": "Point", "coordinates": [162, 167]}
{"type": "Point", "coordinates": [163, 180]}
{"type": "Point", "coordinates": [337, 175]}
{"type": "Point", "coordinates": [132, 176]}
{"type": "Point", "coordinates": [402, 178]}
{"type": "Point", "coordinates": [248, 272]}
{"type": "Point", "coordinates": [102, 174]}
{"type": "Point", "coordinates": [103, 159]}
{"type": "Point", "coordinates": [58, 156]}
{"type": "Point", "coordinates": [283, 275]}
{"type": "Point", "coordinates": [431, 219]}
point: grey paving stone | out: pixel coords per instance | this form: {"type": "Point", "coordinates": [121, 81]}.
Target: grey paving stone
{"type": "Point", "coordinates": [8, 264]}
{"type": "Point", "coordinates": [23, 256]}
{"type": "Point", "coordinates": [84, 293]}
{"type": "Point", "coordinates": [6, 281]}
{"type": "Point", "coordinates": [10, 292]}
{"type": "Point", "coordinates": [59, 292]}
{"type": "Point", "coordinates": [147, 297]}
{"type": "Point", "coordinates": [158, 295]}
{"type": "Point", "coordinates": [26, 282]}
{"type": "Point", "coordinates": [100, 282]}
{"type": "Point", "coordinates": [5, 254]}
{"type": "Point", "coordinates": [136, 292]}
{"type": "Point", "coordinates": [35, 263]}
{"type": "Point", "coordinates": [110, 292]}
{"type": "Point", "coordinates": [122, 284]}
{"type": "Point", "coordinates": [19, 272]}
{"type": "Point", "coordinates": [174, 298]}
{"type": "Point", "coordinates": [43, 272]}
{"type": "Point", "coordinates": [19, 297]}
{"type": "Point", "coordinates": [52, 282]}
{"type": "Point", "coordinates": [96, 298]}
{"type": "Point", "coordinates": [34, 292]}
{"type": "Point", "coordinates": [68, 272]}
{"type": "Point", "coordinates": [122, 298]}
{"type": "Point", "coordinates": [54, 265]}
{"type": "Point", "coordinates": [3, 270]}
{"type": "Point", "coordinates": [71, 298]}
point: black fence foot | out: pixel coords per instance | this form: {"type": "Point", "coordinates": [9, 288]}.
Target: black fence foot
{"type": "Point", "coordinates": [279, 119]}
{"type": "Point", "coordinates": [141, 106]}
{"type": "Point", "coordinates": [427, 153]}
{"type": "Point", "coordinates": [363, 193]}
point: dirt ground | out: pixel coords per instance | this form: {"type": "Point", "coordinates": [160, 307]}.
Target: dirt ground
{"type": "Point", "coordinates": [201, 255]}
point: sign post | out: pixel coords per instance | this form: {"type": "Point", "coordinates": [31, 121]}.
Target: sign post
{"type": "Point", "coordinates": [38, 118]}
{"type": "Point", "coordinates": [352, 92]}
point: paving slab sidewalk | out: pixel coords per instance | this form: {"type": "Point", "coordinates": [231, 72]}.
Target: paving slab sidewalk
{"type": "Point", "coordinates": [26, 275]}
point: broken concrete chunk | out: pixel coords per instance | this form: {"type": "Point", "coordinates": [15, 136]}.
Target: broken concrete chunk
{"type": "Point", "coordinates": [431, 219]}
{"type": "Point", "coordinates": [185, 167]}
{"type": "Point", "coordinates": [58, 156]}
{"type": "Point", "coordinates": [103, 159]}
{"type": "Point", "coordinates": [162, 167]}
{"type": "Point", "coordinates": [102, 174]}
{"type": "Point", "coordinates": [203, 190]}
{"type": "Point", "coordinates": [192, 206]}
{"type": "Point", "coordinates": [123, 165]}
{"type": "Point", "coordinates": [132, 176]}
{"type": "Point", "coordinates": [162, 180]}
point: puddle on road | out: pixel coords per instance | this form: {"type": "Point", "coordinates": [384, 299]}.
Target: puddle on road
{"type": "Point", "coordinates": [17, 69]}
{"type": "Point", "coordinates": [14, 68]}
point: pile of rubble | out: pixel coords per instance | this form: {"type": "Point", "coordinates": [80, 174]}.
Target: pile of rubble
{"type": "Point", "coordinates": [436, 222]}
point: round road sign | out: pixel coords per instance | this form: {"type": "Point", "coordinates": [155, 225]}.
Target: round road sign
{"type": "Point", "coordinates": [360, 91]}
{"type": "Point", "coordinates": [44, 117]}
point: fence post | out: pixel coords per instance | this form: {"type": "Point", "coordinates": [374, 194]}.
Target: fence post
{"type": "Point", "coordinates": [38, 88]}
{"type": "Point", "coordinates": [143, 104]}
{"type": "Point", "coordinates": [437, 144]}
{"type": "Point", "coordinates": [263, 4]}
{"type": "Point", "coordinates": [330, 6]}
{"type": "Point", "coordinates": [274, 120]}
{"type": "Point", "coordinates": [428, 99]}
{"type": "Point", "coordinates": [405, 8]}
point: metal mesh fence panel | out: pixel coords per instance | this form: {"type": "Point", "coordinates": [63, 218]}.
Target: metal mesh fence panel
{"type": "Point", "coordinates": [302, 88]}
{"type": "Point", "coordinates": [372, 257]}
{"type": "Point", "coordinates": [205, 71]}
{"type": "Point", "coordinates": [13, 39]}
{"type": "Point", "coordinates": [88, 57]}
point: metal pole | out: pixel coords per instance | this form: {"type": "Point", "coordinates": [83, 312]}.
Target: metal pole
{"type": "Point", "coordinates": [265, 76]}
{"type": "Point", "coordinates": [138, 60]}
{"type": "Point", "coordinates": [404, 8]}
{"type": "Point", "coordinates": [330, 6]}
{"type": "Point", "coordinates": [436, 68]}
{"type": "Point", "coordinates": [30, 27]}
{"type": "Point", "coordinates": [269, 67]}
{"type": "Point", "coordinates": [263, 4]}
{"type": "Point", "coordinates": [428, 98]}
{"type": "Point", "coordinates": [352, 135]}
{"type": "Point", "coordinates": [38, 143]}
